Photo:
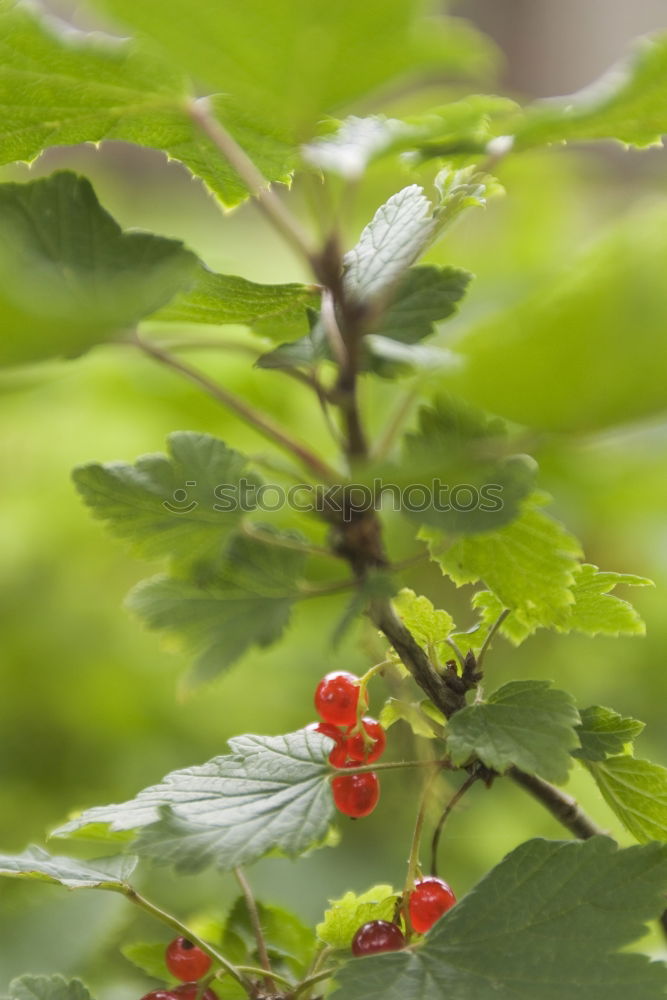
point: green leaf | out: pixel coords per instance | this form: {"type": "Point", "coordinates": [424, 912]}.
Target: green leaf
{"type": "Point", "coordinates": [604, 314]}
{"type": "Point", "coordinates": [60, 87]}
{"type": "Point", "coordinates": [271, 794]}
{"type": "Point", "coordinates": [546, 923]}
{"type": "Point", "coordinates": [346, 915]}
{"type": "Point", "coordinates": [47, 988]}
{"type": "Point", "coordinates": [185, 504]}
{"type": "Point", "coordinates": [627, 103]}
{"type": "Point", "coordinates": [287, 938]}
{"type": "Point", "coordinates": [244, 601]}
{"type": "Point", "coordinates": [282, 60]}
{"type": "Point", "coordinates": [527, 724]}
{"type": "Point", "coordinates": [429, 626]}
{"type": "Point", "coordinates": [636, 790]}
{"type": "Point", "coordinates": [423, 717]}
{"type": "Point", "coordinates": [603, 733]}
{"type": "Point", "coordinates": [595, 611]}
{"type": "Point", "coordinates": [102, 873]}
{"type": "Point", "coordinates": [69, 277]}
{"type": "Point", "coordinates": [275, 311]}
{"type": "Point", "coordinates": [530, 565]}
{"type": "Point", "coordinates": [150, 958]}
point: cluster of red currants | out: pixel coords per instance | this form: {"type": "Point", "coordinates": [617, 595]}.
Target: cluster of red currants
{"type": "Point", "coordinates": [188, 963]}
{"type": "Point", "coordinates": [357, 741]}
{"type": "Point", "coordinates": [429, 900]}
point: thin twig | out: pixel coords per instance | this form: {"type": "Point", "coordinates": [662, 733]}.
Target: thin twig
{"type": "Point", "coordinates": [492, 631]}
{"type": "Point", "coordinates": [255, 922]}
{"type": "Point", "coordinates": [258, 186]}
{"type": "Point", "coordinates": [237, 405]}
{"type": "Point", "coordinates": [435, 842]}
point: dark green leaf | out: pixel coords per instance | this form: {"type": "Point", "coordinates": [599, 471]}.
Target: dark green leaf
{"type": "Point", "coordinates": [287, 938]}
{"type": "Point", "coordinates": [271, 793]}
{"type": "Point", "coordinates": [245, 600]}
{"type": "Point", "coordinates": [636, 790]}
{"type": "Point", "coordinates": [103, 873]}
{"type": "Point", "coordinates": [69, 277]}
{"type": "Point", "coordinates": [184, 504]}
{"type": "Point", "coordinates": [546, 924]}
{"type": "Point", "coordinates": [603, 733]}
{"type": "Point", "coordinates": [524, 723]}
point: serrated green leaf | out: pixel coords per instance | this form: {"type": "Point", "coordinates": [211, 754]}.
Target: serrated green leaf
{"type": "Point", "coordinates": [582, 320]}
{"type": "Point", "coordinates": [281, 59]}
{"type": "Point", "coordinates": [429, 626]}
{"type": "Point", "coordinates": [59, 86]}
{"type": "Point", "coordinates": [530, 565]}
{"type": "Point", "coordinates": [627, 103]}
{"type": "Point", "coordinates": [184, 504]}
{"type": "Point", "coordinates": [102, 873]}
{"type": "Point", "coordinates": [346, 915]}
{"type": "Point", "coordinates": [271, 794]}
{"type": "Point", "coordinates": [636, 790]}
{"type": "Point", "coordinates": [526, 724]}
{"type": "Point", "coordinates": [69, 277]}
{"type": "Point", "coordinates": [545, 924]}
{"type": "Point", "coordinates": [221, 612]}
{"type": "Point", "coordinates": [596, 611]}
{"type": "Point", "coordinates": [603, 733]}
{"type": "Point", "coordinates": [420, 721]}
{"type": "Point", "coordinates": [150, 958]}
{"type": "Point", "coordinates": [47, 988]}
{"type": "Point", "coordinates": [275, 311]}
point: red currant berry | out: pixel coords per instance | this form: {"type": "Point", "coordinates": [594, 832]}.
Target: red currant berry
{"type": "Point", "coordinates": [186, 961]}
{"type": "Point", "coordinates": [430, 898]}
{"type": "Point", "coordinates": [375, 936]}
{"type": "Point", "coordinates": [356, 794]}
{"type": "Point", "coordinates": [338, 756]}
{"type": "Point", "coordinates": [187, 991]}
{"type": "Point", "coordinates": [337, 697]}
{"type": "Point", "coordinates": [357, 750]}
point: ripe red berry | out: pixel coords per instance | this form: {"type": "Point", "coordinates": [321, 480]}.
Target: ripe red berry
{"type": "Point", "coordinates": [430, 898]}
{"type": "Point", "coordinates": [338, 755]}
{"type": "Point", "coordinates": [337, 697]}
{"type": "Point", "coordinates": [358, 751]}
{"type": "Point", "coordinates": [186, 961]}
{"type": "Point", "coordinates": [356, 794]}
{"type": "Point", "coordinates": [187, 991]}
{"type": "Point", "coordinates": [375, 936]}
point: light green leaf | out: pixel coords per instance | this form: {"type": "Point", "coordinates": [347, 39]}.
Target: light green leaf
{"type": "Point", "coordinates": [287, 938]}
{"type": "Point", "coordinates": [603, 733]}
{"type": "Point", "coordinates": [47, 988]}
{"type": "Point", "coordinates": [59, 86]}
{"type": "Point", "coordinates": [69, 277]}
{"type": "Point", "coordinates": [185, 504]}
{"type": "Point", "coordinates": [596, 330]}
{"type": "Point", "coordinates": [429, 626]}
{"type": "Point", "coordinates": [102, 873]}
{"type": "Point", "coordinates": [596, 611]}
{"type": "Point", "coordinates": [545, 924]}
{"type": "Point", "coordinates": [241, 602]}
{"type": "Point", "coordinates": [628, 103]}
{"type": "Point", "coordinates": [636, 790]}
{"type": "Point", "coordinates": [288, 63]}
{"type": "Point", "coordinates": [150, 958]}
{"type": "Point", "coordinates": [421, 721]}
{"type": "Point", "coordinates": [530, 565]}
{"type": "Point", "coordinates": [275, 311]}
{"type": "Point", "coordinates": [527, 724]}
{"type": "Point", "coordinates": [347, 914]}
{"type": "Point", "coordinates": [271, 794]}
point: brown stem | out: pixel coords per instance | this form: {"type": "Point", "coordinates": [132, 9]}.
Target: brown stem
{"type": "Point", "coordinates": [254, 417]}
{"type": "Point", "coordinates": [255, 922]}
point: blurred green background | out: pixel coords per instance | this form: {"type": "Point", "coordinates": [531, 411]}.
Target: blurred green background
{"type": "Point", "coordinates": [92, 708]}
